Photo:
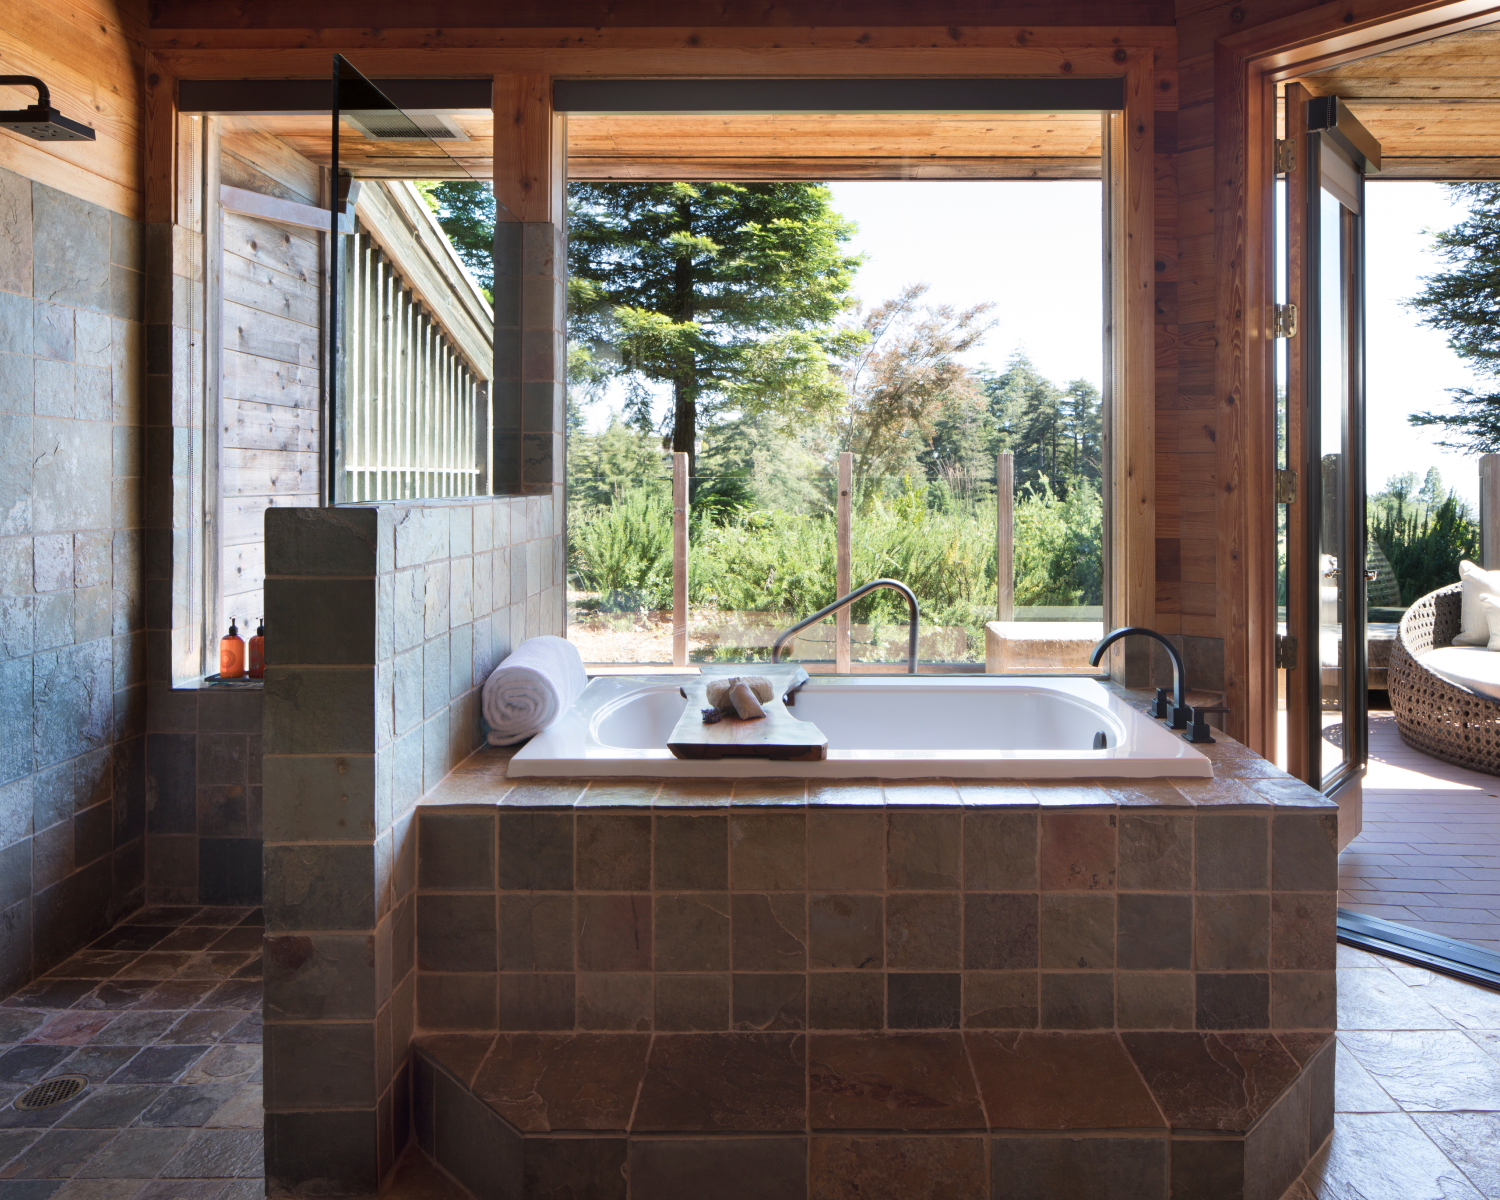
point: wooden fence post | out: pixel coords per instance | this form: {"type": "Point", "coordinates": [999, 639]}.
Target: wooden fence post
{"type": "Point", "coordinates": [1489, 510]}
{"type": "Point", "coordinates": [843, 585]}
{"type": "Point", "coordinates": [679, 560]}
{"type": "Point", "coordinates": [1005, 536]}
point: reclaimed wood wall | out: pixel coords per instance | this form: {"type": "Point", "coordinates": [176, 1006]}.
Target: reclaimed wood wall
{"type": "Point", "coordinates": [269, 395]}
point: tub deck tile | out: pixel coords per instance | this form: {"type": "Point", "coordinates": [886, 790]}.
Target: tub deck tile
{"type": "Point", "coordinates": [1212, 1081]}
{"type": "Point", "coordinates": [1060, 1081]}
{"type": "Point", "coordinates": [892, 1081]}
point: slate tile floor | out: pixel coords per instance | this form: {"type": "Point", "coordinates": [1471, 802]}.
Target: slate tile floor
{"type": "Point", "coordinates": [1429, 852]}
{"type": "Point", "coordinates": [1417, 1088]}
{"type": "Point", "coordinates": [162, 1016]}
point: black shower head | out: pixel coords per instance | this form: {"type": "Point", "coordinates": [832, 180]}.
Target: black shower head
{"type": "Point", "coordinates": [41, 120]}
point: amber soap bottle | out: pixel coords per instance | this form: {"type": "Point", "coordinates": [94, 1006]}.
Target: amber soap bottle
{"type": "Point", "coordinates": [258, 651]}
{"type": "Point", "coordinates": [232, 654]}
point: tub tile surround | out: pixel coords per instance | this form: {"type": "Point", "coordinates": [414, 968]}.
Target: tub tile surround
{"type": "Point", "coordinates": [392, 616]}
{"type": "Point", "coordinates": [1026, 989]}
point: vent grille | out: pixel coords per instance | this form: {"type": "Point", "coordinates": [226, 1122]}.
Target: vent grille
{"type": "Point", "coordinates": [405, 126]}
{"type": "Point", "coordinates": [50, 1091]}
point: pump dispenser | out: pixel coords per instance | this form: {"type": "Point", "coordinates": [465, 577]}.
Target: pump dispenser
{"type": "Point", "coordinates": [232, 654]}
{"type": "Point", "coordinates": [258, 651]}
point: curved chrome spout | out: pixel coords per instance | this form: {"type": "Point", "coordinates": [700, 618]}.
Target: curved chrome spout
{"type": "Point", "coordinates": [1178, 717]}
{"type": "Point", "coordinates": [894, 584]}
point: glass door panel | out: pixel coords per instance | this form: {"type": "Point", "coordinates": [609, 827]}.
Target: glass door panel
{"type": "Point", "coordinates": [1321, 532]}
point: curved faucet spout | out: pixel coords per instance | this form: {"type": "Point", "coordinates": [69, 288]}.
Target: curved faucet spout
{"type": "Point", "coordinates": [1178, 717]}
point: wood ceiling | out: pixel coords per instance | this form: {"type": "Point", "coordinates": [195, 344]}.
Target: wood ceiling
{"type": "Point", "coordinates": [1435, 107]}
{"type": "Point", "coordinates": [886, 146]}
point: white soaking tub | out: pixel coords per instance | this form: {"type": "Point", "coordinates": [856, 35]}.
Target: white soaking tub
{"type": "Point", "coordinates": [886, 727]}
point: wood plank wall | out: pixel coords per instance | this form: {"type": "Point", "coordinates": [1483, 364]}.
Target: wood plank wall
{"type": "Point", "coordinates": [269, 396]}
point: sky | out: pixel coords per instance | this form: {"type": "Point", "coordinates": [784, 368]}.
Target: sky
{"type": "Point", "coordinates": [1034, 250]}
{"type": "Point", "coordinates": [1408, 366]}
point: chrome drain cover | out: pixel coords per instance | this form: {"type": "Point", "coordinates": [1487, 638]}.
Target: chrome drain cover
{"type": "Point", "coordinates": [50, 1091]}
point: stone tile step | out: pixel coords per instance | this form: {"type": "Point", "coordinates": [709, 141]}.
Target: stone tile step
{"type": "Point", "coordinates": [547, 1111]}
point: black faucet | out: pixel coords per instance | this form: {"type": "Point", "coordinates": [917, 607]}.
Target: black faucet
{"type": "Point", "coordinates": [1177, 713]}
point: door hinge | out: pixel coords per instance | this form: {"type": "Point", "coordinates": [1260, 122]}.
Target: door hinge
{"type": "Point", "coordinates": [1286, 155]}
{"type": "Point", "coordinates": [1286, 652]}
{"type": "Point", "coordinates": [1286, 487]}
{"type": "Point", "coordinates": [1283, 320]}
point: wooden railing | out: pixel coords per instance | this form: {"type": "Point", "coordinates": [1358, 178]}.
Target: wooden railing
{"type": "Point", "coordinates": [417, 344]}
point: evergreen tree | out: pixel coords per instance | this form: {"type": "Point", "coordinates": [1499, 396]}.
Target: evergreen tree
{"type": "Point", "coordinates": [465, 208]}
{"type": "Point", "coordinates": [1463, 302]}
{"type": "Point", "coordinates": [726, 291]}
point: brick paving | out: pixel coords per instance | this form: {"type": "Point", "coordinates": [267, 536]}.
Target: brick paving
{"type": "Point", "coordinates": [162, 1016]}
{"type": "Point", "coordinates": [1429, 852]}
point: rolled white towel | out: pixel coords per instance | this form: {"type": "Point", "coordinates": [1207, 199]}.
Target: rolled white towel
{"type": "Point", "coordinates": [531, 689]}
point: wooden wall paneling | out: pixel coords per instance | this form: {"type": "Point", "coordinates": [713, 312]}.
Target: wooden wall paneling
{"type": "Point", "coordinates": [160, 121]}
{"type": "Point", "coordinates": [93, 61]}
{"type": "Point", "coordinates": [261, 162]}
{"type": "Point", "coordinates": [1134, 421]}
{"type": "Point", "coordinates": [827, 51]}
{"type": "Point", "coordinates": [474, 18]}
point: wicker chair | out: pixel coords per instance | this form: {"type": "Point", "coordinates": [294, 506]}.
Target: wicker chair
{"type": "Point", "coordinates": [1435, 716]}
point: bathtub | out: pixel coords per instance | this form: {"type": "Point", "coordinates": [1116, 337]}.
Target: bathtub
{"type": "Point", "coordinates": [886, 727]}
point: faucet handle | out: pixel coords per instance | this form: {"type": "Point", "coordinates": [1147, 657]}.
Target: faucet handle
{"type": "Point", "coordinates": [1161, 707]}
{"type": "Point", "coordinates": [1198, 727]}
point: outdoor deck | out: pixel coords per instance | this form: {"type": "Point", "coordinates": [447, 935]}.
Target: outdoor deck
{"type": "Point", "coordinates": [1429, 852]}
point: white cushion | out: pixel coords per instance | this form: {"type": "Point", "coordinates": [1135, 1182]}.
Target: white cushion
{"type": "Point", "coordinates": [1474, 630]}
{"type": "Point", "coordinates": [1490, 606]}
{"type": "Point", "coordinates": [1477, 670]}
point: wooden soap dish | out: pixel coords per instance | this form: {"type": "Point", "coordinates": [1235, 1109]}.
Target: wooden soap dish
{"type": "Point", "coordinates": [777, 735]}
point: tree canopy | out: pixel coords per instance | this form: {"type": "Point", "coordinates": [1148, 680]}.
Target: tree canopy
{"type": "Point", "coordinates": [729, 292]}
{"type": "Point", "coordinates": [1464, 302]}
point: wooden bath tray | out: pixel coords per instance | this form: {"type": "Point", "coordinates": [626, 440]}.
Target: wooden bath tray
{"type": "Point", "coordinates": [777, 735]}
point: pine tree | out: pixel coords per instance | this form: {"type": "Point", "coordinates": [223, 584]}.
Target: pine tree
{"type": "Point", "coordinates": [1463, 302]}
{"type": "Point", "coordinates": [726, 291]}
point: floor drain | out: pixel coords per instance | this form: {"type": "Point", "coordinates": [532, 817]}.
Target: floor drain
{"type": "Point", "coordinates": [51, 1091]}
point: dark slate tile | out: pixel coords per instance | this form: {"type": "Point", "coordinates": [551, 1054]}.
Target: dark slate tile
{"type": "Point", "coordinates": [27, 1064]}
{"type": "Point", "coordinates": [187, 1105]}
{"type": "Point", "coordinates": [158, 1064]}
{"type": "Point", "coordinates": [1232, 851]}
{"type": "Point", "coordinates": [456, 933]}
{"type": "Point", "coordinates": [110, 1107]}
{"type": "Point", "coordinates": [98, 1063]}
{"type": "Point", "coordinates": [703, 1081]}
{"type": "Point", "coordinates": [1077, 1000]}
{"type": "Point", "coordinates": [1233, 1001]}
{"type": "Point", "coordinates": [455, 850]}
{"type": "Point", "coordinates": [1026, 1168]}
{"type": "Point", "coordinates": [171, 783]}
{"type": "Point", "coordinates": [845, 931]}
{"type": "Point", "coordinates": [59, 1154]}
{"type": "Point", "coordinates": [536, 851]}
{"type": "Point", "coordinates": [575, 1168]}
{"type": "Point", "coordinates": [131, 937]}
{"type": "Point", "coordinates": [52, 993]}
{"type": "Point", "coordinates": [136, 1154]}
{"type": "Point", "coordinates": [725, 1168]}
{"type": "Point", "coordinates": [135, 1028]}
{"type": "Point", "coordinates": [113, 995]}
{"type": "Point", "coordinates": [923, 1000]}
{"type": "Point", "coordinates": [305, 1147]}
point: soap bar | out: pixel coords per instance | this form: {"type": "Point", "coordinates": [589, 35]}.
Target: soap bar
{"type": "Point", "coordinates": [746, 706]}
{"type": "Point", "coordinates": [718, 689]}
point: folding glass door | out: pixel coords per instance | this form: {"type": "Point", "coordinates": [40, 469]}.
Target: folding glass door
{"type": "Point", "coordinates": [1321, 439]}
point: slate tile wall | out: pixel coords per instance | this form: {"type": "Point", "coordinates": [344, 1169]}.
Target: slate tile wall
{"type": "Point", "coordinates": [392, 616]}
{"type": "Point", "coordinates": [616, 908]}
{"type": "Point", "coordinates": [72, 640]}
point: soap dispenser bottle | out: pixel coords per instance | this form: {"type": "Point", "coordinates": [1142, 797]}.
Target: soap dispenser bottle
{"type": "Point", "coordinates": [232, 654]}
{"type": "Point", "coordinates": [258, 651]}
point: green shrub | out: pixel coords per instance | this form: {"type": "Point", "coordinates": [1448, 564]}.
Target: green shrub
{"type": "Point", "coordinates": [778, 561]}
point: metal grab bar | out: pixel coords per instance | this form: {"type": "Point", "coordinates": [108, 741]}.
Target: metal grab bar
{"type": "Point", "coordinates": [894, 584]}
